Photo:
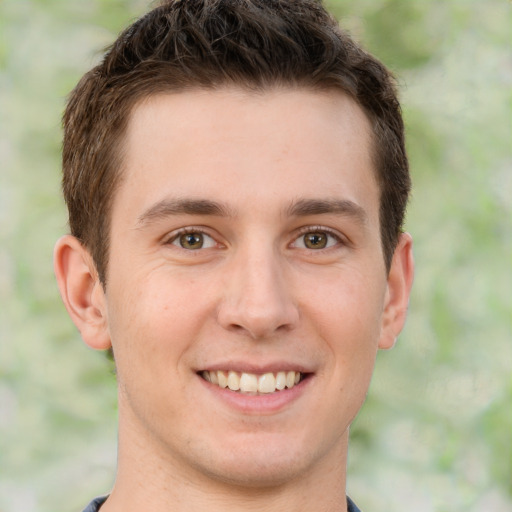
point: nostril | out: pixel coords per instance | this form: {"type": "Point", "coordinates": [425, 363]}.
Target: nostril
{"type": "Point", "coordinates": [257, 302]}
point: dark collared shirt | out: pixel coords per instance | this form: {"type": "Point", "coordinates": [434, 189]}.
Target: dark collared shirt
{"type": "Point", "coordinates": [95, 505]}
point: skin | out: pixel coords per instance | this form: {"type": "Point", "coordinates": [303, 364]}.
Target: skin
{"type": "Point", "coordinates": [278, 165]}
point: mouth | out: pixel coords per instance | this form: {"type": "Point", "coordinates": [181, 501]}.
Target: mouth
{"type": "Point", "coordinates": [253, 383]}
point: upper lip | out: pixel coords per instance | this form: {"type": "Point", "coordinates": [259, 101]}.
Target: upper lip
{"type": "Point", "coordinates": [257, 368]}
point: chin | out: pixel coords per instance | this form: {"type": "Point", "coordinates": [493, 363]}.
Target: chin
{"type": "Point", "coordinates": [257, 475]}
{"type": "Point", "coordinates": [261, 463]}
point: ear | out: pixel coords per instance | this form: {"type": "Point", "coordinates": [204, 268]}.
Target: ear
{"type": "Point", "coordinates": [81, 291]}
{"type": "Point", "coordinates": [399, 284]}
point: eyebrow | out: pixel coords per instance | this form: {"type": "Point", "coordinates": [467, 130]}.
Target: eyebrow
{"type": "Point", "coordinates": [298, 208]}
{"type": "Point", "coordinates": [169, 207]}
{"type": "Point", "coordinates": [344, 207]}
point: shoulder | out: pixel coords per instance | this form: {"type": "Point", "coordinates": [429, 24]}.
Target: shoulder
{"type": "Point", "coordinates": [95, 504]}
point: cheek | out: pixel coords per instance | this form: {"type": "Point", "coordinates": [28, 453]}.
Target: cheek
{"type": "Point", "coordinates": [153, 329]}
{"type": "Point", "coordinates": [152, 323]}
{"type": "Point", "coordinates": [350, 310]}
{"type": "Point", "coordinates": [346, 317]}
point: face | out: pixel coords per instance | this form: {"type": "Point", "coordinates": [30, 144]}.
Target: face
{"type": "Point", "coordinates": [246, 289]}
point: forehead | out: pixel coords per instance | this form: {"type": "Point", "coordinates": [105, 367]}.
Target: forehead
{"type": "Point", "coordinates": [231, 145]}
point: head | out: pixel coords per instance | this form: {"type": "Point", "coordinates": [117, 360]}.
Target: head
{"type": "Point", "coordinates": [236, 179]}
{"type": "Point", "coordinates": [252, 45]}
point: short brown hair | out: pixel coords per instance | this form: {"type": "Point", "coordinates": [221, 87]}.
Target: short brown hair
{"type": "Point", "coordinates": [253, 44]}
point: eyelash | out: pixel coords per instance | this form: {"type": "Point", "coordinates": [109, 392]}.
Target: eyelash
{"type": "Point", "coordinates": [188, 230]}
{"type": "Point", "coordinates": [320, 229]}
{"type": "Point", "coordinates": [301, 233]}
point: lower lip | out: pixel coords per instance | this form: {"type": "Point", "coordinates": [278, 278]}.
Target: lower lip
{"type": "Point", "coordinates": [263, 404]}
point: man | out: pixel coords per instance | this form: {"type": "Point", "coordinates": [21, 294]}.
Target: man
{"type": "Point", "coordinates": [236, 181]}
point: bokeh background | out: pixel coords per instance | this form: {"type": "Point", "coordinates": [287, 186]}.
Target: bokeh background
{"type": "Point", "coordinates": [436, 432]}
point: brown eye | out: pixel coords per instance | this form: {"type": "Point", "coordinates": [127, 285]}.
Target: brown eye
{"type": "Point", "coordinates": [315, 240]}
{"type": "Point", "coordinates": [191, 241]}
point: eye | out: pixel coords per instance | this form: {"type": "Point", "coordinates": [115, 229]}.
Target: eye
{"type": "Point", "coordinates": [193, 240]}
{"type": "Point", "coordinates": [316, 239]}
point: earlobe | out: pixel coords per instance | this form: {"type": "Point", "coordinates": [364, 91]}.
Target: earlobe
{"type": "Point", "coordinates": [399, 285]}
{"type": "Point", "coordinates": [81, 291]}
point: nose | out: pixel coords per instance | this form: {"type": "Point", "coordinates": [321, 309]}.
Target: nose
{"type": "Point", "coordinates": [257, 298]}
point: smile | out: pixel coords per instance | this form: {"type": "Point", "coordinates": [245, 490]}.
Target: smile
{"type": "Point", "coordinates": [253, 383]}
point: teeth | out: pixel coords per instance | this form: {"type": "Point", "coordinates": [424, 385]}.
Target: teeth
{"type": "Point", "coordinates": [222, 378]}
{"type": "Point", "coordinates": [233, 381]}
{"type": "Point", "coordinates": [248, 383]}
{"type": "Point", "coordinates": [281, 380]}
{"type": "Point", "coordinates": [252, 383]}
{"type": "Point", "coordinates": [267, 383]}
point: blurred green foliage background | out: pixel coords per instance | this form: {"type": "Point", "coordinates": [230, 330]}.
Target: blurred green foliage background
{"type": "Point", "coordinates": [436, 432]}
